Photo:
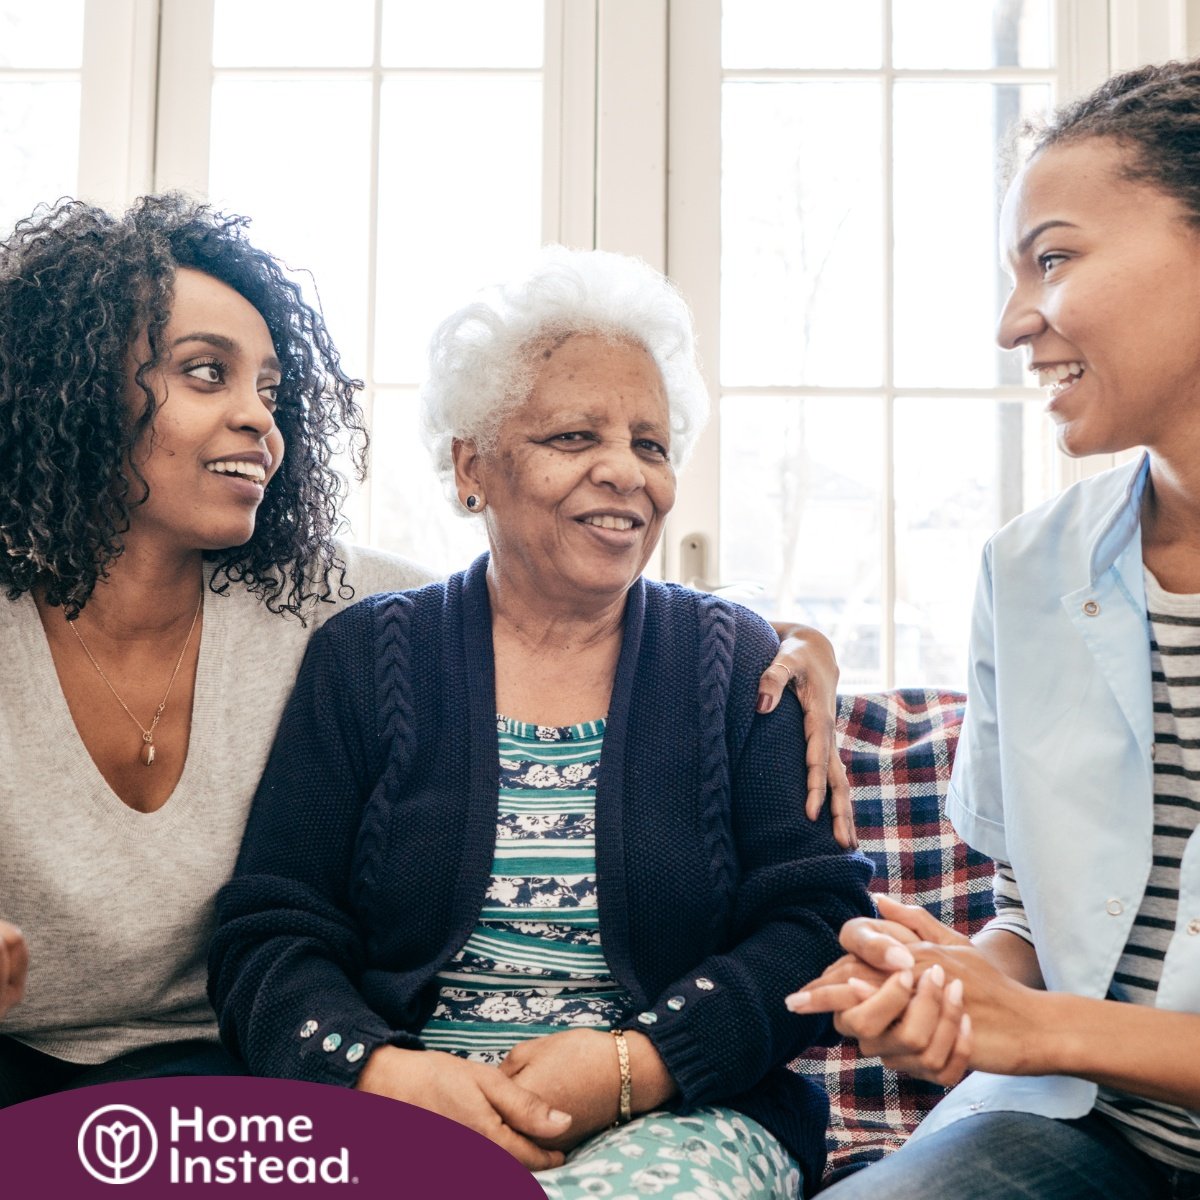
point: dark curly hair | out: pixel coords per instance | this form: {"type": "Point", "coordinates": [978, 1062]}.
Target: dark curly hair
{"type": "Point", "coordinates": [77, 286]}
{"type": "Point", "coordinates": [1154, 113]}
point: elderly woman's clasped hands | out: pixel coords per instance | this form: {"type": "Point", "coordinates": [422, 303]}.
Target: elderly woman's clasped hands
{"type": "Point", "coordinates": [925, 999]}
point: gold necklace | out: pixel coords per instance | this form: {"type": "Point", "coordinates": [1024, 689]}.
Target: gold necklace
{"type": "Point", "coordinates": [146, 754]}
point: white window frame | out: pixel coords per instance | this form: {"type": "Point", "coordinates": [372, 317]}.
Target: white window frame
{"type": "Point", "coordinates": [631, 144]}
{"type": "Point", "coordinates": [1093, 38]}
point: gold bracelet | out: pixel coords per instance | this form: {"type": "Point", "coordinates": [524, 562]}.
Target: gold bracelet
{"type": "Point", "coordinates": [625, 1101]}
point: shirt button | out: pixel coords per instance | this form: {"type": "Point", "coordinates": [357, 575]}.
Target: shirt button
{"type": "Point", "coordinates": [676, 1003]}
{"type": "Point", "coordinates": [1193, 926]}
{"type": "Point", "coordinates": [976, 1106]}
{"type": "Point", "coordinates": [647, 1018]}
{"type": "Point", "coordinates": [705, 985]}
{"type": "Point", "coordinates": [308, 1029]}
{"type": "Point", "coordinates": [355, 1052]}
{"type": "Point", "coordinates": [331, 1043]}
{"type": "Point", "coordinates": [1091, 608]}
{"type": "Point", "coordinates": [1114, 908]}
{"type": "Point", "coordinates": [1154, 750]}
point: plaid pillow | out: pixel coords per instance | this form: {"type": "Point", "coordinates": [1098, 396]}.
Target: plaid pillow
{"type": "Point", "coordinates": [898, 748]}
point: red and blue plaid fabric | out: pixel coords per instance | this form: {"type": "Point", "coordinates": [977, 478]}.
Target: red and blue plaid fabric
{"type": "Point", "coordinates": [898, 748]}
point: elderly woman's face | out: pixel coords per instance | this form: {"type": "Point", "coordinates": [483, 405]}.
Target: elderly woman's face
{"type": "Point", "coordinates": [580, 479]}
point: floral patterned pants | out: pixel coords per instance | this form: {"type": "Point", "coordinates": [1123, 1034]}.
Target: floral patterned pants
{"type": "Point", "coordinates": [710, 1154]}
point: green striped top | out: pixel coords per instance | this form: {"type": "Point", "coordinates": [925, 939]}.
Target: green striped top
{"type": "Point", "coordinates": [534, 964]}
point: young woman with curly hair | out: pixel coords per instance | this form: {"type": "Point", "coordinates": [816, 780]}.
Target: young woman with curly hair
{"type": "Point", "coordinates": [169, 405]}
{"type": "Point", "coordinates": [169, 409]}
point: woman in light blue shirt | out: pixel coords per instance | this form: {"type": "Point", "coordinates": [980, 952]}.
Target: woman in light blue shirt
{"type": "Point", "coordinates": [1078, 1009]}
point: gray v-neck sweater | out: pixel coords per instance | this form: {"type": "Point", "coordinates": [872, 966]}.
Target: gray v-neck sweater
{"type": "Point", "coordinates": [117, 905]}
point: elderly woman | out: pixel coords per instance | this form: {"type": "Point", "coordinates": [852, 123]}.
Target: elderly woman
{"type": "Point", "coordinates": [170, 410]}
{"type": "Point", "coordinates": [510, 860]}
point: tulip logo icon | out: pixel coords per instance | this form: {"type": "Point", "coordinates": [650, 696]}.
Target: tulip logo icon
{"type": "Point", "coordinates": [119, 1149]}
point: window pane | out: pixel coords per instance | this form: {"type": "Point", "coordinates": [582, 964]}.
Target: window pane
{"type": "Point", "coordinates": [801, 33]}
{"type": "Point", "coordinates": [293, 33]}
{"type": "Point", "coordinates": [971, 33]}
{"type": "Point", "coordinates": [462, 33]}
{"type": "Point", "coordinates": [41, 35]}
{"type": "Point", "coordinates": [949, 286]}
{"type": "Point", "coordinates": [313, 218]}
{"type": "Point", "coordinates": [801, 234]}
{"type": "Point", "coordinates": [409, 511]}
{"type": "Point", "coordinates": [948, 503]}
{"type": "Point", "coordinates": [39, 146]}
{"type": "Point", "coordinates": [460, 198]}
{"type": "Point", "coordinates": [801, 503]}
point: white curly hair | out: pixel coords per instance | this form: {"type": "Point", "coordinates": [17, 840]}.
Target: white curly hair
{"type": "Point", "coordinates": [484, 358]}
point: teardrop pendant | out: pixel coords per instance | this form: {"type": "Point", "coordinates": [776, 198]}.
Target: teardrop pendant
{"type": "Point", "coordinates": [147, 755]}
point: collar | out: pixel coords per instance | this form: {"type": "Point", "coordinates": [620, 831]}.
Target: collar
{"type": "Point", "coordinates": [1121, 524]}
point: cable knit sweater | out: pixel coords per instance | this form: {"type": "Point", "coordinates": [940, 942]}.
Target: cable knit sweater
{"type": "Point", "coordinates": [370, 843]}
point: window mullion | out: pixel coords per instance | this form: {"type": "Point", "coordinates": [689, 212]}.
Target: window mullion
{"type": "Point", "coordinates": [117, 101]}
{"type": "Point", "coordinates": [184, 96]}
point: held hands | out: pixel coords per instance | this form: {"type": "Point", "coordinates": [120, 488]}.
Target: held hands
{"type": "Point", "coordinates": [890, 992]}
{"type": "Point", "coordinates": [577, 1071]}
{"type": "Point", "coordinates": [807, 661]}
{"type": "Point", "coordinates": [14, 966]}
{"type": "Point", "coordinates": [481, 1097]}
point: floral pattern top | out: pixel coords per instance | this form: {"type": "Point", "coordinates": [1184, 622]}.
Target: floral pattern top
{"type": "Point", "coordinates": [534, 964]}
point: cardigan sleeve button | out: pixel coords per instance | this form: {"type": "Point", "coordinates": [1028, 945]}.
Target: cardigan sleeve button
{"type": "Point", "coordinates": [676, 1003]}
{"type": "Point", "coordinates": [704, 984]}
{"type": "Point", "coordinates": [647, 1018]}
{"type": "Point", "coordinates": [331, 1043]}
{"type": "Point", "coordinates": [355, 1052]}
{"type": "Point", "coordinates": [308, 1029]}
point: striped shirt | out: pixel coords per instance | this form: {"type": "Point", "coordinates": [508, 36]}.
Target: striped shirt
{"type": "Point", "coordinates": [1162, 1131]}
{"type": "Point", "coordinates": [534, 964]}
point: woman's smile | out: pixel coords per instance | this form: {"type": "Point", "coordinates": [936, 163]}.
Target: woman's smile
{"type": "Point", "coordinates": [580, 480]}
{"type": "Point", "coordinates": [1106, 284]}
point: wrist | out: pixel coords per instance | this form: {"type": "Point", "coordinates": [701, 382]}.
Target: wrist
{"type": "Point", "coordinates": [384, 1069]}
{"type": "Point", "coordinates": [1059, 1041]}
{"type": "Point", "coordinates": [651, 1082]}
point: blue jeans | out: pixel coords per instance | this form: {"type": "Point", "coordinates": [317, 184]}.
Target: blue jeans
{"type": "Point", "coordinates": [1019, 1156]}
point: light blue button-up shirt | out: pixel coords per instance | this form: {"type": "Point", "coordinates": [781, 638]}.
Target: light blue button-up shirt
{"type": "Point", "coordinates": [1054, 771]}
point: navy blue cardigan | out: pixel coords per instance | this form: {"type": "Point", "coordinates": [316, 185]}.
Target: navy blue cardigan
{"type": "Point", "coordinates": [370, 844]}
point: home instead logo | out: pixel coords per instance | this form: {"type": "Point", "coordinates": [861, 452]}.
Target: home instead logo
{"type": "Point", "coordinates": [241, 1136]}
{"type": "Point", "coordinates": [118, 1144]}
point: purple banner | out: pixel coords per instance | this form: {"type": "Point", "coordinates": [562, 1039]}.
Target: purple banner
{"type": "Point", "coordinates": [246, 1137]}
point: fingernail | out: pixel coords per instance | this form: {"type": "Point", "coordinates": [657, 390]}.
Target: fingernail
{"type": "Point", "coordinates": [764, 702]}
{"type": "Point", "coordinates": [937, 974]}
{"type": "Point", "coordinates": [898, 958]}
{"type": "Point", "coordinates": [559, 1117]}
{"type": "Point", "coordinates": [798, 1000]}
{"type": "Point", "coordinates": [861, 986]}
{"type": "Point", "coordinates": [964, 1025]}
{"type": "Point", "coordinates": [954, 993]}
{"type": "Point", "coordinates": [906, 978]}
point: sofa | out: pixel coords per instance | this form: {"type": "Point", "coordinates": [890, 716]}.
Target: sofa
{"type": "Point", "coordinates": [898, 748]}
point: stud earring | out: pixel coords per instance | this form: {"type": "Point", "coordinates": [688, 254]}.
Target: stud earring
{"type": "Point", "coordinates": [474, 502]}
